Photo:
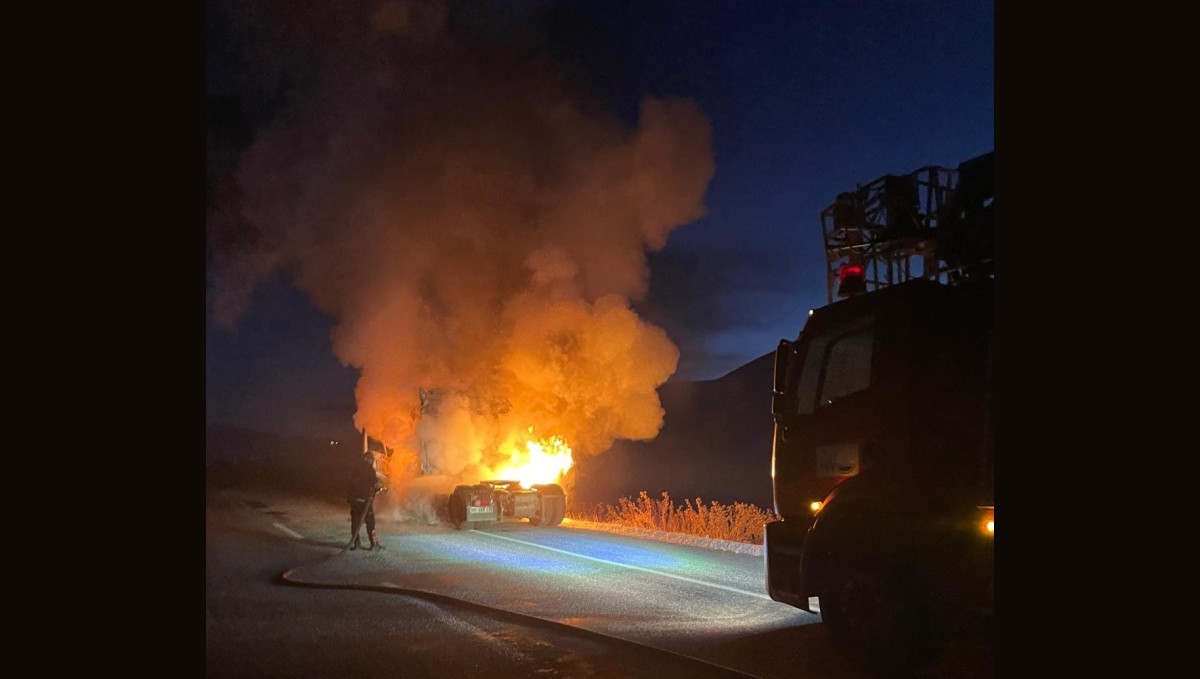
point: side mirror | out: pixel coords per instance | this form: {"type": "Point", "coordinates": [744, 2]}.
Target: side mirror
{"type": "Point", "coordinates": [781, 401]}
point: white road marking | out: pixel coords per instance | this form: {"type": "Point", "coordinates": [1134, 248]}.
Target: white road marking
{"type": "Point", "coordinates": [287, 530]}
{"type": "Point", "coordinates": [624, 565]}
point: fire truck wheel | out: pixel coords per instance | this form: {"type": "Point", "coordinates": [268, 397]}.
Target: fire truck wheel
{"type": "Point", "coordinates": [876, 617]}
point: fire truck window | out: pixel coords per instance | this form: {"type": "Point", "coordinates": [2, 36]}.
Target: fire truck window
{"type": "Point", "coordinates": [806, 389]}
{"type": "Point", "coordinates": [848, 368]}
{"type": "Point", "coordinates": [822, 355]}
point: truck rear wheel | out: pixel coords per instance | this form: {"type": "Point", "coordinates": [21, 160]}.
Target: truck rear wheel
{"type": "Point", "coordinates": [457, 508]}
{"type": "Point", "coordinates": [876, 617]}
{"type": "Point", "coordinates": [552, 505]}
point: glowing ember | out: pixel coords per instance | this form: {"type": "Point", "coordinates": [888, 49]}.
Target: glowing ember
{"type": "Point", "coordinates": [538, 461]}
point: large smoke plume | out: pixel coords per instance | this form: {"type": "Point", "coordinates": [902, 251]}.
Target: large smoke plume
{"type": "Point", "coordinates": [476, 226]}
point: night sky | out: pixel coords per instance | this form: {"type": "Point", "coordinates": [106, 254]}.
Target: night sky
{"type": "Point", "coordinates": [393, 185]}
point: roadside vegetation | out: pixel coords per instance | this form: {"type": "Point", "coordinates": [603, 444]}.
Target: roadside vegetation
{"type": "Point", "coordinates": [738, 522]}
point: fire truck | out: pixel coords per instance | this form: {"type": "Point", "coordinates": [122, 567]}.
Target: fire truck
{"type": "Point", "coordinates": [883, 457]}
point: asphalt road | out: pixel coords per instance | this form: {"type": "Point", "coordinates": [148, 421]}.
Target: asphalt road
{"type": "Point", "coordinates": [284, 599]}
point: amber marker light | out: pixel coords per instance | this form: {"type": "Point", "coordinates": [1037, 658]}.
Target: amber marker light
{"type": "Point", "coordinates": [988, 521]}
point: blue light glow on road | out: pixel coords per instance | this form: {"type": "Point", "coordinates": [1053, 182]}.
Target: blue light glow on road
{"type": "Point", "coordinates": [674, 562]}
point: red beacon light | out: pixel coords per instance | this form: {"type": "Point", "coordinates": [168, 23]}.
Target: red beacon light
{"type": "Point", "coordinates": [852, 280]}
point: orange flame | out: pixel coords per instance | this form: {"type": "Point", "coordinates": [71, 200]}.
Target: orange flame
{"type": "Point", "coordinates": [538, 461]}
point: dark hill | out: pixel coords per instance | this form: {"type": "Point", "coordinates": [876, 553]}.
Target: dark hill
{"type": "Point", "coordinates": [240, 456]}
{"type": "Point", "coordinates": [715, 444]}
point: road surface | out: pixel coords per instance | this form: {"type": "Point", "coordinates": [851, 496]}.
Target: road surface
{"type": "Point", "coordinates": [284, 598]}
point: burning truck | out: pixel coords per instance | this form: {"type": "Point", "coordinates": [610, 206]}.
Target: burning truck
{"type": "Point", "coordinates": [525, 468]}
{"type": "Point", "coordinates": [542, 504]}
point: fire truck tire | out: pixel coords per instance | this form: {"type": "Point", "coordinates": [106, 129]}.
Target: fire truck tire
{"type": "Point", "coordinates": [552, 505]}
{"type": "Point", "coordinates": [875, 616]}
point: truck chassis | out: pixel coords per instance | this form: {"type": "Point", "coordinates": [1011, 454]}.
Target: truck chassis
{"type": "Point", "coordinates": [489, 502]}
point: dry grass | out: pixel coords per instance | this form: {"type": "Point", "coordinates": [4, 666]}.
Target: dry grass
{"type": "Point", "coordinates": [738, 522]}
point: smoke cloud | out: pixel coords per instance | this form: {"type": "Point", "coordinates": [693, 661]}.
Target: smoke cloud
{"type": "Point", "coordinates": [476, 226]}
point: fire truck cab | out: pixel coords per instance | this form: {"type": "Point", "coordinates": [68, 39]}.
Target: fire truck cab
{"type": "Point", "coordinates": [883, 456]}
